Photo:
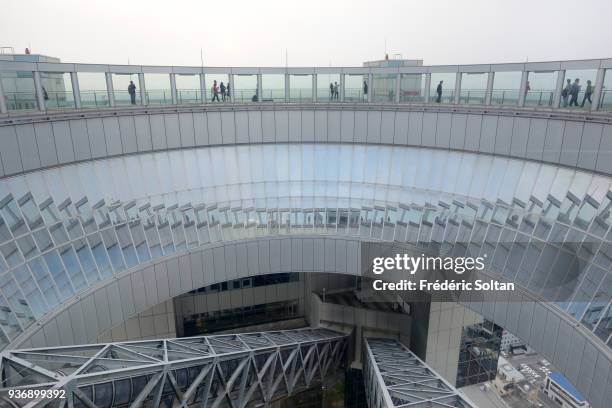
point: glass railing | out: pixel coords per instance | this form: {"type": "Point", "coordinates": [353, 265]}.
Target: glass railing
{"type": "Point", "coordinates": [186, 96]}
{"type": "Point", "coordinates": [20, 101]}
{"type": "Point", "coordinates": [354, 95]}
{"type": "Point", "coordinates": [542, 97]}
{"type": "Point", "coordinates": [273, 95]}
{"type": "Point", "coordinates": [300, 95]}
{"type": "Point", "coordinates": [59, 100]}
{"type": "Point", "coordinates": [159, 96]}
{"type": "Point", "coordinates": [383, 95]}
{"type": "Point", "coordinates": [326, 95]}
{"type": "Point", "coordinates": [244, 95]}
{"type": "Point", "coordinates": [99, 97]}
{"type": "Point", "coordinates": [447, 96]}
{"type": "Point", "coordinates": [606, 99]}
{"type": "Point", "coordinates": [94, 98]}
{"type": "Point", "coordinates": [472, 96]}
{"type": "Point", "coordinates": [505, 96]}
{"type": "Point", "coordinates": [123, 98]}
{"type": "Point", "coordinates": [414, 96]}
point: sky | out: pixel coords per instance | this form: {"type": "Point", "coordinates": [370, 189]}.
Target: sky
{"type": "Point", "coordinates": [307, 32]}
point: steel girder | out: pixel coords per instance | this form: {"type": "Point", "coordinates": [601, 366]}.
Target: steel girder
{"type": "Point", "coordinates": [235, 370]}
{"type": "Point", "coordinates": [395, 377]}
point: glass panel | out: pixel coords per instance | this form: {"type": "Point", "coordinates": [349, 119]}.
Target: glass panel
{"type": "Point", "coordinates": [59, 275]}
{"type": "Point", "coordinates": [158, 89]}
{"type": "Point", "coordinates": [383, 88]}
{"type": "Point", "coordinates": [100, 255]}
{"type": "Point", "coordinates": [506, 88]}
{"type": "Point", "coordinates": [57, 90]}
{"type": "Point", "coordinates": [125, 87]}
{"type": "Point", "coordinates": [42, 277]}
{"type": "Point", "coordinates": [73, 267]}
{"type": "Point", "coordinates": [325, 86]}
{"type": "Point", "coordinates": [473, 88]}
{"type": "Point", "coordinates": [442, 87]}
{"type": "Point", "coordinates": [273, 88]}
{"type": "Point", "coordinates": [605, 101]}
{"type": "Point", "coordinates": [92, 86]}
{"type": "Point", "coordinates": [245, 88]}
{"type": "Point", "coordinates": [583, 85]}
{"type": "Point", "coordinates": [8, 321]}
{"type": "Point", "coordinates": [541, 88]}
{"type": "Point", "coordinates": [187, 88]}
{"type": "Point", "coordinates": [412, 88]}
{"type": "Point", "coordinates": [19, 91]}
{"type": "Point", "coordinates": [300, 88]}
{"type": "Point", "coordinates": [353, 88]}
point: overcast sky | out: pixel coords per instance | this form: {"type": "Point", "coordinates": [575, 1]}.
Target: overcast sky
{"type": "Point", "coordinates": [314, 32]}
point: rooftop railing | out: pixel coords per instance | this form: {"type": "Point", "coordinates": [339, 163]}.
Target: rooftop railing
{"type": "Point", "coordinates": [37, 86]}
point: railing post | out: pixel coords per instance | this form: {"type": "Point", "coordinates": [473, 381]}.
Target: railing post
{"type": "Point", "coordinates": [523, 89]}
{"type": "Point", "coordinates": [342, 90]}
{"type": "Point", "coordinates": [173, 91]}
{"type": "Point", "coordinates": [76, 91]}
{"type": "Point", "coordinates": [489, 91]}
{"type": "Point", "coordinates": [287, 87]}
{"type": "Point", "coordinates": [143, 89]}
{"type": "Point", "coordinates": [40, 99]}
{"type": "Point", "coordinates": [314, 87]}
{"type": "Point", "coordinates": [3, 107]}
{"type": "Point", "coordinates": [109, 89]}
{"type": "Point", "coordinates": [230, 78]}
{"type": "Point", "coordinates": [370, 87]}
{"type": "Point", "coordinates": [458, 77]}
{"type": "Point", "coordinates": [427, 87]}
{"type": "Point", "coordinates": [398, 80]}
{"type": "Point", "coordinates": [259, 87]}
{"type": "Point", "coordinates": [558, 88]}
{"type": "Point", "coordinates": [202, 88]}
{"type": "Point", "coordinates": [599, 81]}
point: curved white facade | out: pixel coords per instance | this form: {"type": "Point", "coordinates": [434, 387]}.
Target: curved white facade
{"type": "Point", "coordinates": [71, 227]}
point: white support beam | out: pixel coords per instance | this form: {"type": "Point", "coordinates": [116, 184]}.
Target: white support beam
{"type": "Point", "coordinates": [287, 88]}
{"type": "Point", "coordinates": [598, 91]}
{"type": "Point", "coordinates": [38, 88]}
{"type": "Point", "coordinates": [202, 88]}
{"type": "Point", "coordinates": [3, 99]}
{"type": "Point", "coordinates": [427, 87]}
{"type": "Point", "coordinates": [523, 88]}
{"type": "Point", "coordinates": [173, 90]}
{"type": "Point", "coordinates": [259, 88]}
{"type": "Point", "coordinates": [143, 89]}
{"type": "Point", "coordinates": [76, 90]}
{"type": "Point", "coordinates": [232, 90]}
{"type": "Point", "coordinates": [110, 91]}
{"type": "Point", "coordinates": [342, 87]}
{"type": "Point", "coordinates": [558, 88]}
{"type": "Point", "coordinates": [458, 77]}
{"type": "Point", "coordinates": [489, 91]}
{"type": "Point", "coordinates": [370, 87]}
{"type": "Point", "coordinates": [314, 88]}
{"type": "Point", "coordinates": [396, 95]}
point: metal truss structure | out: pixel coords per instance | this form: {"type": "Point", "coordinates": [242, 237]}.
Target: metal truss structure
{"type": "Point", "coordinates": [395, 377]}
{"type": "Point", "coordinates": [235, 370]}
